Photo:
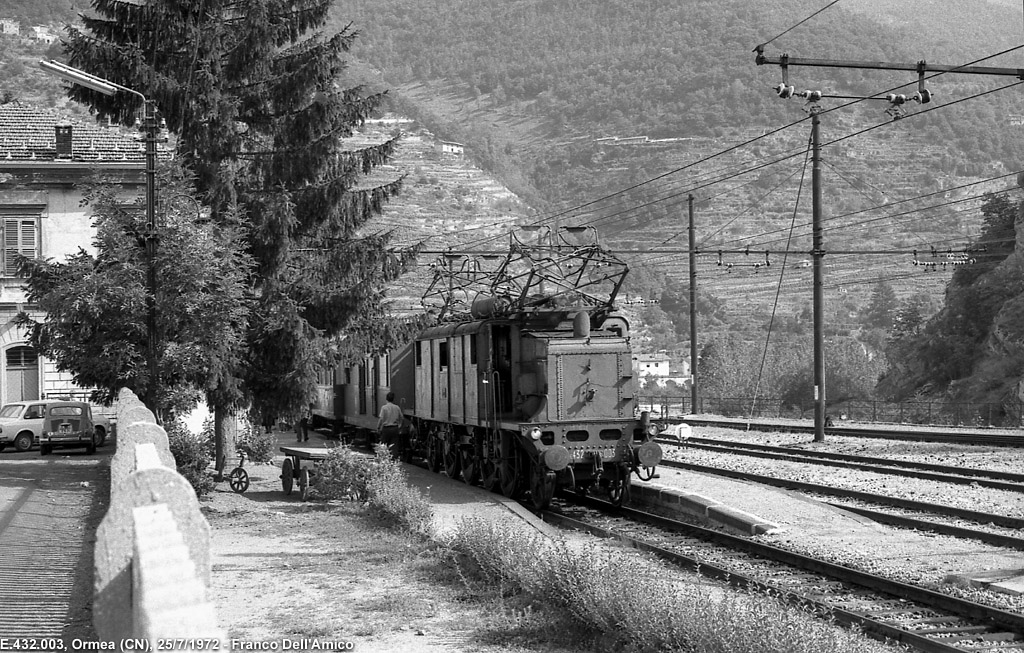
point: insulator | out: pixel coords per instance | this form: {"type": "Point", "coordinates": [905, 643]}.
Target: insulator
{"type": "Point", "coordinates": [812, 96]}
{"type": "Point", "coordinates": [896, 98]}
{"type": "Point", "coordinates": [924, 96]}
{"type": "Point", "coordinates": [785, 92]}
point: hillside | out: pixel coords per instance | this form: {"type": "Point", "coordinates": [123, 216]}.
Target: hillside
{"type": "Point", "coordinates": [568, 102]}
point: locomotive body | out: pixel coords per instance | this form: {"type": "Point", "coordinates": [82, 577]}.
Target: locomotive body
{"type": "Point", "coordinates": [526, 382]}
{"type": "Point", "coordinates": [515, 403]}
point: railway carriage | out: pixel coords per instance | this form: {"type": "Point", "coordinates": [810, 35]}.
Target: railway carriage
{"type": "Point", "coordinates": [526, 391]}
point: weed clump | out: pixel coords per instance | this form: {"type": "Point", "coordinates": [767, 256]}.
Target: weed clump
{"type": "Point", "coordinates": [636, 604]}
{"type": "Point", "coordinates": [378, 481]}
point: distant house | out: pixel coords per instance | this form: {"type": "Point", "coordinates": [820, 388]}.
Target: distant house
{"type": "Point", "coordinates": [44, 160]}
{"type": "Point", "coordinates": [656, 365]}
{"type": "Point", "coordinates": [42, 33]}
{"type": "Point", "coordinates": [11, 27]}
{"type": "Point", "coordinates": [450, 147]}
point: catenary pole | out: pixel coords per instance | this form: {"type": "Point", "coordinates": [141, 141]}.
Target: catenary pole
{"type": "Point", "coordinates": [817, 254]}
{"type": "Point", "coordinates": [693, 308]}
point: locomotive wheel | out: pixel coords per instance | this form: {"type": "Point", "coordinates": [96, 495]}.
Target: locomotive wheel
{"type": "Point", "coordinates": [542, 486]}
{"type": "Point", "coordinates": [618, 486]}
{"type": "Point", "coordinates": [287, 475]}
{"type": "Point", "coordinates": [239, 480]}
{"type": "Point", "coordinates": [470, 466]}
{"type": "Point", "coordinates": [509, 468]}
{"type": "Point", "coordinates": [435, 453]}
{"type": "Point", "coordinates": [304, 484]}
{"type": "Point", "coordinates": [452, 459]}
{"type": "Point", "coordinates": [488, 475]}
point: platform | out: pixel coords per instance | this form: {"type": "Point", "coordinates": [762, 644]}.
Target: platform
{"type": "Point", "coordinates": [790, 519]}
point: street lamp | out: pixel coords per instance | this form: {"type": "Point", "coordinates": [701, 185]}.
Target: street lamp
{"type": "Point", "coordinates": [107, 87]}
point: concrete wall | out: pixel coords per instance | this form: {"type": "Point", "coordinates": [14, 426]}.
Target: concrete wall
{"type": "Point", "coordinates": [153, 546]}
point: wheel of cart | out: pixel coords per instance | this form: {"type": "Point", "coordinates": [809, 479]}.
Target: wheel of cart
{"type": "Point", "coordinates": [297, 468]}
{"type": "Point", "coordinates": [239, 478]}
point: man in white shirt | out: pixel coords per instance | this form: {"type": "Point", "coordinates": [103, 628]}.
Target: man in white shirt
{"type": "Point", "coordinates": [389, 424]}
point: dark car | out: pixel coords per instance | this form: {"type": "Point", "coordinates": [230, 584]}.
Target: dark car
{"type": "Point", "coordinates": [67, 424]}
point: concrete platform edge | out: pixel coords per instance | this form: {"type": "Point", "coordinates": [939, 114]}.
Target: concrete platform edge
{"type": "Point", "coordinates": [654, 495]}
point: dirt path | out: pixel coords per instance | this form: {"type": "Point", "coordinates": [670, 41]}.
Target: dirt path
{"type": "Point", "coordinates": [325, 576]}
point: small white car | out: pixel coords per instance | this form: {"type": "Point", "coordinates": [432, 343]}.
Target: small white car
{"type": "Point", "coordinates": [21, 422]}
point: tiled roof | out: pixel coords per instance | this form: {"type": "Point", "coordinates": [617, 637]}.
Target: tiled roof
{"type": "Point", "coordinates": [27, 133]}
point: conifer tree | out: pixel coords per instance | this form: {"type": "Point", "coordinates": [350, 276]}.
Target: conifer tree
{"type": "Point", "coordinates": [252, 91]}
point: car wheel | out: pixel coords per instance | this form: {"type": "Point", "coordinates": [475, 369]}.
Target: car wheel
{"type": "Point", "coordinates": [90, 449]}
{"type": "Point", "coordinates": [23, 442]}
{"type": "Point", "coordinates": [99, 436]}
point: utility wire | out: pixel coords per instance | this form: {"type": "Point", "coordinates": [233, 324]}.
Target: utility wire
{"type": "Point", "coordinates": [790, 29]}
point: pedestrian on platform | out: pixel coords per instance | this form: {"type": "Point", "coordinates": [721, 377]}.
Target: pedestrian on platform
{"type": "Point", "coordinates": [307, 419]}
{"type": "Point", "coordinates": [389, 424]}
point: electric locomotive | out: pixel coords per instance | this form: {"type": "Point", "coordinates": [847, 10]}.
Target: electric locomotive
{"type": "Point", "coordinates": [528, 387]}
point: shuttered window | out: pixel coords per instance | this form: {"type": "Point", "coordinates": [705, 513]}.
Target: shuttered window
{"type": "Point", "coordinates": [21, 236]}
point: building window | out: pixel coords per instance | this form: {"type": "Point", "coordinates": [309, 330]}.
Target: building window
{"type": "Point", "coordinates": [21, 236]}
{"type": "Point", "coordinates": [22, 358]}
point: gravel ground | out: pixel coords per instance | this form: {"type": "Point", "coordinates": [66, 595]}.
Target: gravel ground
{"type": "Point", "coordinates": [934, 561]}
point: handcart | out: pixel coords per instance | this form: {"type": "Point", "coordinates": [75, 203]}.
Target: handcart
{"type": "Point", "coordinates": [298, 467]}
{"type": "Point", "coordinates": [238, 479]}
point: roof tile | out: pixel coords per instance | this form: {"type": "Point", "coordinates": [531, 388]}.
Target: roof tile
{"type": "Point", "coordinates": [27, 134]}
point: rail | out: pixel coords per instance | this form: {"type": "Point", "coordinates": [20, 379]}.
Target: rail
{"type": "Point", "coordinates": [1009, 414]}
{"type": "Point", "coordinates": [152, 560]}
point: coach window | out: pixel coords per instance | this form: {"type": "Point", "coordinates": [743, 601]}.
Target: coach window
{"type": "Point", "coordinates": [419, 353]}
{"type": "Point", "coordinates": [442, 353]}
{"type": "Point", "coordinates": [472, 349]}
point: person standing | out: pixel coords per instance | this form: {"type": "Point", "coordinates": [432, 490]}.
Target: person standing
{"type": "Point", "coordinates": [389, 423]}
{"type": "Point", "coordinates": [307, 419]}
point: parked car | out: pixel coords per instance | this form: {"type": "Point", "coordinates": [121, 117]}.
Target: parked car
{"type": "Point", "coordinates": [67, 424]}
{"type": "Point", "coordinates": [21, 423]}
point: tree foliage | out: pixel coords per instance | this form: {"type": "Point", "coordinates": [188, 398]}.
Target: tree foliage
{"type": "Point", "coordinates": [957, 339]}
{"type": "Point", "coordinates": [254, 93]}
{"type": "Point", "coordinates": [94, 304]}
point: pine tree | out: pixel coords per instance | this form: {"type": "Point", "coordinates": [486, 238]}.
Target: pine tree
{"type": "Point", "coordinates": [252, 90]}
{"type": "Point", "coordinates": [881, 311]}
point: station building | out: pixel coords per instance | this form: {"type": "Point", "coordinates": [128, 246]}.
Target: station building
{"type": "Point", "coordinates": [45, 159]}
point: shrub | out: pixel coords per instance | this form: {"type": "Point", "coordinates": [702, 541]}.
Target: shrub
{"type": "Point", "coordinates": [190, 456]}
{"type": "Point", "coordinates": [343, 475]}
{"type": "Point", "coordinates": [378, 481]}
{"type": "Point", "coordinates": [257, 445]}
{"type": "Point", "coordinates": [390, 494]}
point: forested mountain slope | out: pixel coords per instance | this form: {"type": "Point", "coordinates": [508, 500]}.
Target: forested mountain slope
{"type": "Point", "coordinates": [571, 101]}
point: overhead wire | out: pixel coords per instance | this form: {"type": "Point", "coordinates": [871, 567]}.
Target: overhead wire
{"type": "Point", "coordinates": [871, 128]}
{"type": "Point", "coordinates": [778, 287]}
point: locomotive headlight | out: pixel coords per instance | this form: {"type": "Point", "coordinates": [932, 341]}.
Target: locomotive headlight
{"type": "Point", "coordinates": [535, 433]}
{"type": "Point", "coordinates": [653, 430]}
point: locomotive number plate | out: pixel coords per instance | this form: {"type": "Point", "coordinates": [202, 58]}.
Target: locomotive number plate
{"type": "Point", "coordinates": [580, 454]}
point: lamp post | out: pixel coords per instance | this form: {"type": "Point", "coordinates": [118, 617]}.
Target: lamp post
{"type": "Point", "coordinates": [107, 87]}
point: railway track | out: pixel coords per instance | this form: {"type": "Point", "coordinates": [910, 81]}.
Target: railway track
{"type": "Point", "coordinates": [997, 480]}
{"type": "Point", "coordinates": [904, 513]}
{"type": "Point", "coordinates": [1003, 438]}
{"type": "Point", "coordinates": [922, 619]}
